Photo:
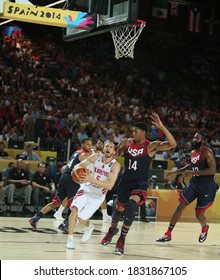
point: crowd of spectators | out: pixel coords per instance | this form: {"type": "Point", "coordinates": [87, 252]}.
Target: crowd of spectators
{"type": "Point", "coordinates": [78, 89]}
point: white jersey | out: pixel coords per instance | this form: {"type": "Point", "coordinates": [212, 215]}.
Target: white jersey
{"type": "Point", "coordinates": [100, 171]}
{"type": "Point", "coordinates": [89, 197]}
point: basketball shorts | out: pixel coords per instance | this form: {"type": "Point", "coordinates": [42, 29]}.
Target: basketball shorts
{"type": "Point", "coordinates": [202, 190]}
{"type": "Point", "coordinates": [67, 188]}
{"type": "Point", "coordinates": [126, 189]}
{"type": "Point", "coordinates": [87, 202]}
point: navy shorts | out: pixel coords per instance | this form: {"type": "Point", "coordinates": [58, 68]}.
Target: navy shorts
{"type": "Point", "coordinates": [67, 187]}
{"type": "Point", "coordinates": [204, 190]}
{"type": "Point", "coordinates": [127, 188]}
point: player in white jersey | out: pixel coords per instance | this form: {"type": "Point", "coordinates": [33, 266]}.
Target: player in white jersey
{"type": "Point", "coordinates": [93, 190]}
{"type": "Point", "coordinates": [103, 207]}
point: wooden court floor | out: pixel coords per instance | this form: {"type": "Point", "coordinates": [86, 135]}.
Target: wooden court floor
{"type": "Point", "coordinates": [19, 242]}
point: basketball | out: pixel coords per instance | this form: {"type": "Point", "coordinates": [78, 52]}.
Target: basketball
{"type": "Point", "coordinates": [78, 174]}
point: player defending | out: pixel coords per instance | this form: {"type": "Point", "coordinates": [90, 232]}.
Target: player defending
{"type": "Point", "coordinates": [93, 190]}
{"type": "Point", "coordinates": [201, 186]}
{"type": "Point", "coordinates": [138, 153]}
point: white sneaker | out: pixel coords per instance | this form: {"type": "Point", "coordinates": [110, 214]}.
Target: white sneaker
{"type": "Point", "coordinates": [58, 216]}
{"type": "Point", "coordinates": [87, 233]}
{"type": "Point", "coordinates": [70, 243]}
{"type": "Point", "coordinates": [107, 219]}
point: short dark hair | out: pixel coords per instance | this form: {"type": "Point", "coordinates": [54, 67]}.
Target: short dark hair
{"type": "Point", "coordinates": [41, 163]}
{"type": "Point", "coordinates": [100, 139]}
{"type": "Point", "coordinates": [141, 126]}
{"type": "Point", "coordinates": [202, 134]}
{"type": "Point", "coordinates": [85, 139]}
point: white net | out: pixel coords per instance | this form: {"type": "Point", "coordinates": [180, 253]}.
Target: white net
{"type": "Point", "coordinates": [125, 38]}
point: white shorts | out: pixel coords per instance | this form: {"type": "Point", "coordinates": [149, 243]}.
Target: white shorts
{"type": "Point", "coordinates": [87, 202]}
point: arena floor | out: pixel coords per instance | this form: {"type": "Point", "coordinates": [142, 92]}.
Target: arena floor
{"type": "Point", "coordinates": [19, 242]}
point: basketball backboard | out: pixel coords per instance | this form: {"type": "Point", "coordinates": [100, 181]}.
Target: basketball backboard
{"type": "Point", "coordinates": [110, 15]}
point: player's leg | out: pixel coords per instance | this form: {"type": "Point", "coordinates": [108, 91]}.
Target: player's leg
{"type": "Point", "coordinates": [174, 219]}
{"type": "Point", "coordinates": [204, 201]}
{"type": "Point", "coordinates": [93, 203]}
{"type": "Point", "coordinates": [185, 198]}
{"type": "Point", "coordinates": [78, 203]}
{"type": "Point", "coordinates": [128, 220]}
{"type": "Point", "coordinates": [203, 222]}
{"type": "Point", "coordinates": [46, 209]}
{"type": "Point", "coordinates": [121, 203]}
{"type": "Point", "coordinates": [71, 228]}
{"type": "Point", "coordinates": [58, 213]}
{"type": "Point", "coordinates": [113, 230]}
{"type": "Point", "coordinates": [105, 217]}
{"type": "Point", "coordinates": [70, 188]}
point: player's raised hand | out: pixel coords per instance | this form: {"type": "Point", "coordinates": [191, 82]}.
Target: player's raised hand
{"type": "Point", "coordinates": [156, 120]}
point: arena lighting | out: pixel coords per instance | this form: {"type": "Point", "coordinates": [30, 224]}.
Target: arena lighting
{"type": "Point", "coordinates": [48, 6]}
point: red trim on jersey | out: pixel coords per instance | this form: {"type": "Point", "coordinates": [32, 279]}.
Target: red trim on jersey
{"type": "Point", "coordinates": [104, 191]}
{"type": "Point", "coordinates": [199, 151]}
{"type": "Point", "coordinates": [79, 193]}
{"type": "Point", "coordinates": [81, 151]}
{"type": "Point", "coordinates": [70, 202]}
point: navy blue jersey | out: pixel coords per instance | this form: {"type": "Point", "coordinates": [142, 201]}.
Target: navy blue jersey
{"type": "Point", "coordinates": [198, 162]}
{"type": "Point", "coordinates": [67, 187]}
{"type": "Point", "coordinates": [73, 161]}
{"type": "Point", "coordinates": [137, 162]}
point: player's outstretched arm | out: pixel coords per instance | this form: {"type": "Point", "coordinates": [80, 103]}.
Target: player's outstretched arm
{"type": "Point", "coordinates": [121, 147]}
{"type": "Point", "coordinates": [170, 143]}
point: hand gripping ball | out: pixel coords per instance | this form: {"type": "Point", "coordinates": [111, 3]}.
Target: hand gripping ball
{"type": "Point", "coordinates": [78, 174]}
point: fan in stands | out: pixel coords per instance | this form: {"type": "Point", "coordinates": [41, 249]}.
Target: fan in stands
{"type": "Point", "coordinates": [78, 174]}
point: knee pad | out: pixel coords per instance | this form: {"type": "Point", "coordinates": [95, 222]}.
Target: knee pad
{"type": "Point", "coordinates": [116, 216]}
{"type": "Point", "coordinates": [130, 213]}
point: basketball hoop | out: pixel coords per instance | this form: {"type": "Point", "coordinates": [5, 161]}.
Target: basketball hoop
{"type": "Point", "coordinates": [125, 38]}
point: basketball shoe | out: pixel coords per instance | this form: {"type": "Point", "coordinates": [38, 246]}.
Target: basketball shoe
{"type": "Point", "coordinates": [204, 233]}
{"type": "Point", "coordinates": [119, 248]}
{"type": "Point", "coordinates": [33, 223]}
{"type": "Point", "coordinates": [106, 219]}
{"type": "Point", "coordinates": [165, 238]}
{"type": "Point", "coordinates": [70, 242]}
{"type": "Point", "coordinates": [87, 233]}
{"type": "Point", "coordinates": [108, 238]}
{"type": "Point", "coordinates": [63, 227]}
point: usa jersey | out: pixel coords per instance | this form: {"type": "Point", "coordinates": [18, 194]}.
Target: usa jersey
{"type": "Point", "coordinates": [73, 161]}
{"type": "Point", "coordinates": [198, 162]}
{"type": "Point", "coordinates": [100, 172]}
{"type": "Point", "coordinates": [136, 162]}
